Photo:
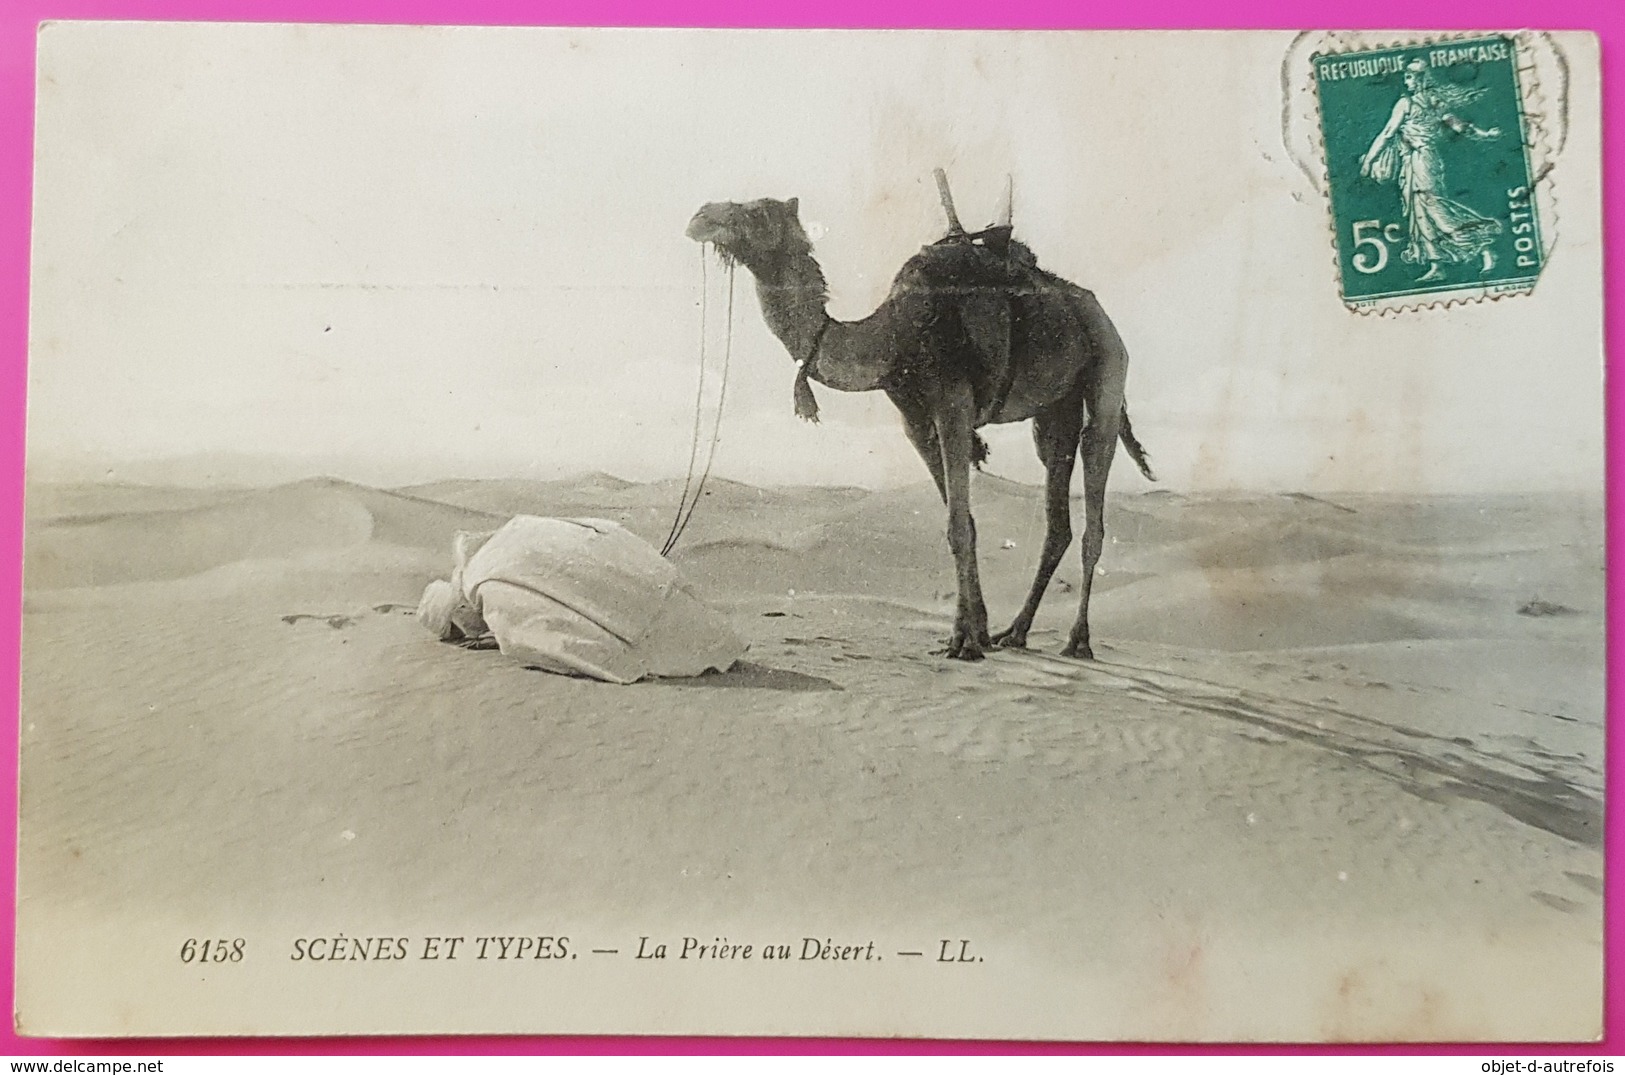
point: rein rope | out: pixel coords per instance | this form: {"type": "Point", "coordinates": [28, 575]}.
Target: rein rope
{"type": "Point", "coordinates": [687, 504]}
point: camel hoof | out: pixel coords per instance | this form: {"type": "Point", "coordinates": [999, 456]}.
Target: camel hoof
{"type": "Point", "coordinates": [1010, 639]}
{"type": "Point", "coordinates": [1081, 650]}
{"type": "Point", "coordinates": [967, 653]}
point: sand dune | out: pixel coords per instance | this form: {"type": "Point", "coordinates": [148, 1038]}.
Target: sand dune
{"type": "Point", "coordinates": [726, 510]}
{"type": "Point", "coordinates": [1228, 572]}
{"type": "Point", "coordinates": [112, 542]}
{"type": "Point", "coordinates": [1322, 746]}
{"type": "Point", "coordinates": [47, 501]}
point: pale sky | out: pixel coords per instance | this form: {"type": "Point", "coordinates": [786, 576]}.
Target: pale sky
{"type": "Point", "coordinates": [407, 254]}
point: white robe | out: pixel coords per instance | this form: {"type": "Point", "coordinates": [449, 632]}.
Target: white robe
{"type": "Point", "coordinates": [582, 597]}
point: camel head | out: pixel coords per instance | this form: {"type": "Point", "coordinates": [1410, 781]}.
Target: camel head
{"type": "Point", "coordinates": [760, 234]}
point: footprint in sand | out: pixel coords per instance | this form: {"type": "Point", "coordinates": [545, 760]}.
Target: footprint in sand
{"type": "Point", "coordinates": [1557, 903]}
{"type": "Point", "coordinates": [1591, 884]}
{"type": "Point", "coordinates": [338, 623]}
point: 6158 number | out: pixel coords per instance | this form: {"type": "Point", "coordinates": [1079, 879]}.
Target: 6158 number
{"type": "Point", "coordinates": [212, 951]}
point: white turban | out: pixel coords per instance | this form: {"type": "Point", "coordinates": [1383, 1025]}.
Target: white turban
{"type": "Point", "coordinates": [439, 601]}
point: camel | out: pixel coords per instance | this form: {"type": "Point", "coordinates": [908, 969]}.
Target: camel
{"type": "Point", "coordinates": [954, 354]}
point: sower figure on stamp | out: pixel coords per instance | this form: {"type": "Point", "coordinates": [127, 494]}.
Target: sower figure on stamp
{"type": "Point", "coordinates": [1407, 149]}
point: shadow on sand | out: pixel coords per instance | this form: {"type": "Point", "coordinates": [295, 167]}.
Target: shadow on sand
{"type": "Point", "coordinates": [759, 676]}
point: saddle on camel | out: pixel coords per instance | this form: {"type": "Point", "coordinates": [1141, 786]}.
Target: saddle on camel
{"type": "Point", "coordinates": [989, 274]}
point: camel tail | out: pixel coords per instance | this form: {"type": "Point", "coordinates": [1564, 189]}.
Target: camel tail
{"type": "Point", "coordinates": [978, 450]}
{"type": "Point", "coordinates": [1136, 451]}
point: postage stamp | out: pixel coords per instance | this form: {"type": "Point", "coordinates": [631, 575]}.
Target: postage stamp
{"type": "Point", "coordinates": [1427, 157]}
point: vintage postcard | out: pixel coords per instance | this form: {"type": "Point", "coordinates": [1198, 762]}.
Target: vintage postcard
{"type": "Point", "coordinates": [608, 531]}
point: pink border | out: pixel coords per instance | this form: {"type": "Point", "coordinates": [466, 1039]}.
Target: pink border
{"type": "Point", "coordinates": [17, 23]}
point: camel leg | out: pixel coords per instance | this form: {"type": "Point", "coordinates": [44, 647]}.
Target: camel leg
{"type": "Point", "coordinates": [1098, 445]}
{"type": "Point", "coordinates": [1055, 434]}
{"type": "Point", "coordinates": [956, 422]}
{"type": "Point", "coordinates": [921, 428]}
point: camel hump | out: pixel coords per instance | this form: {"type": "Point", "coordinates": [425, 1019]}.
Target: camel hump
{"type": "Point", "coordinates": [982, 282]}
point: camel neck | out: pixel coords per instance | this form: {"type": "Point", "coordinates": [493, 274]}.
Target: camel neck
{"type": "Point", "coordinates": [852, 356]}
{"type": "Point", "coordinates": [793, 300]}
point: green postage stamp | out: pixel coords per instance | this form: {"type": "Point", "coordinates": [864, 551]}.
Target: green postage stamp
{"type": "Point", "coordinates": [1427, 153]}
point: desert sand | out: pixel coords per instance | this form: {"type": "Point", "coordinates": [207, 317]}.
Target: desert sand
{"type": "Point", "coordinates": [1337, 774]}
